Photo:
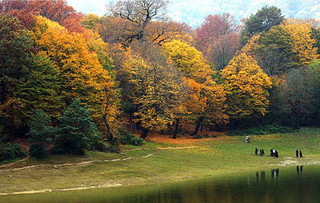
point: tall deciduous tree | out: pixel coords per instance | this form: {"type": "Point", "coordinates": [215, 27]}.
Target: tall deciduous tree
{"type": "Point", "coordinates": [15, 55]}
{"type": "Point", "coordinates": [247, 88]}
{"type": "Point", "coordinates": [304, 45]}
{"type": "Point", "coordinates": [205, 99]}
{"type": "Point", "coordinates": [218, 39]}
{"type": "Point", "coordinates": [275, 51]}
{"type": "Point", "coordinates": [138, 13]}
{"type": "Point", "coordinates": [296, 96]}
{"type": "Point", "coordinates": [261, 21]}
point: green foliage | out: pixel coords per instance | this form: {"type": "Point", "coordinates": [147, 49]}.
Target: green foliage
{"type": "Point", "coordinates": [262, 130]}
{"type": "Point", "coordinates": [126, 137]}
{"type": "Point", "coordinates": [315, 34]}
{"type": "Point", "coordinates": [275, 51]}
{"type": "Point", "coordinates": [77, 132]}
{"type": "Point", "coordinates": [11, 151]}
{"type": "Point", "coordinates": [40, 88]}
{"type": "Point", "coordinates": [37, 151]}
{"type": "Point", "coordinates": [40, 130]}
{"type": "Point", "coordinates": [15, 47]}
{"type": "Point", "coordinates": [296, 96]}
{"type": "Point", "coordinates": [263, 20]}
{"type": "Point", "coordinates": [204, 136]}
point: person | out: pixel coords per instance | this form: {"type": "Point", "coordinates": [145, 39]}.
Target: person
{"type": "Point", "coordinates": [247, 139]}
{"type": "Point", "coordinates": [276, 153]}
{"type": "Point", "coordinates": [271, 152]}
{"type": "Point", "coordinates": [297, 153]}
{"type": "Point", "coordinates": [256, 151]}
{"type": "Point", "coordinates": [301, 154]}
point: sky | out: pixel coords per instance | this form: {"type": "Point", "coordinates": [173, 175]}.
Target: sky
{"type": "Point", "coordinates": [194, 13]}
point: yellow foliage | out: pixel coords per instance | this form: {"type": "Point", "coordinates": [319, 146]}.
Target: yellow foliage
{"type": "Point", "coordinates": [304, 45]}
{"type": "Point", "coordinates": [249, 48]}
{"type": "Point", "coordinates": [246, 85]}
{"type": "Point", "coordinates": [82, 75]}
{"type": "Point", "coordinates": [188, 60]}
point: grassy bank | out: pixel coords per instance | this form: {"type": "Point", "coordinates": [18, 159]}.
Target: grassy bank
{"type": "Point", "coordinates": [160, 160]}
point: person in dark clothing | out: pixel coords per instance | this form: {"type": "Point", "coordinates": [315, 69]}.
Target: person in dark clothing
{"type": "Point", "coordinates": [301, 154]}
{"type": "Point", "coordinates": [297, 153]}
{"type": "Point", "coordinates": [262, 152]}
{"type": "Point", "coordinates": [271, 152]}
{"type": "Point", "coordinates": [276, 154]}
{"type": "Point", "coordinates": [256, 151]}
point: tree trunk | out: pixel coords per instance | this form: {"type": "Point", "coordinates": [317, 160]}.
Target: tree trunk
{"type": "Point", "coordinates": [109, 133]}
{"type": "Point", "coordinates": [176, 129]}
{"type": "Point", "coordinates": [144, 133]}
{"type": "Point", "coordinates": [197, 126]}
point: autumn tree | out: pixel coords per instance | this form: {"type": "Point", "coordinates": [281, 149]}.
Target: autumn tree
{"type": "Point", "coordinates": [261, 21]}
{"type": "Point", "coordinates": [91, 21]}
{"type": "Point", "coordinates": [58, 11]}
{"type": "Point", "coordinates": [221, 51]}
{"type": "Point", "coordinates": [205, 99]}
{"type": "Point", "coordinates": [155, 85]}
{"type": "Point", "coordinates": [218, 39]}
{"type": "Point", "coordinates": [247, 88]}
{"type": "Point", "coordinates": [304, 46]}
{"type": "Point", "coordinates": [15, 55]}
{"type": "Point", "coordinates": [137, 15]}
{"type": "Point", "coordinates": [80, 72]}
{"type": "Point", "coordinates": [275, 52]}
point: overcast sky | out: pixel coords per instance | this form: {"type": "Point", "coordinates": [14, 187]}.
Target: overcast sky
{"type": "Point", "coordinates": [193, 12]}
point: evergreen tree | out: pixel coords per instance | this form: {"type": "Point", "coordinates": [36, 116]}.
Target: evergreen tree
{"type": "Point", "coordinates": [40, 133]}
{"type": "Point", "coordinates": [39, 89]}
{"type": "Point", "coordinates": [77, 131]}
{"type": "Point", "coordinates": [40, 130]}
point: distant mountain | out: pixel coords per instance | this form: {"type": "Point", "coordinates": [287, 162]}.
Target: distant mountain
{"type": "Point", "coordinates": [193, 12]}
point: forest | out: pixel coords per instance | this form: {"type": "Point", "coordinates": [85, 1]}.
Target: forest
{"type": "Point", "coordinates": [72, 82]}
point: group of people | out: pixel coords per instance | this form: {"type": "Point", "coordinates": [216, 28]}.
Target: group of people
{"type": "Point", "coordinates": [299, 152]}
{"type": "Point", "coordinates": [273, 152]}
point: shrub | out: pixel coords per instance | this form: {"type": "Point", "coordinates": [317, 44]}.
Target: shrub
{"type": "Point", "coordinates": [262, 130]}
{"type": "Point", "coordinates": [37, 151]}
{"type": "Point", "coordinates": [204, 136]}
{"type": "Point", "coordinates": [126, 137]}
{"type": "Point", "coordinates": [113, 148]}
{"type": "Point", "coordinates": [100, 146]}
{"type": "Point", "coordinates": [11, 151]}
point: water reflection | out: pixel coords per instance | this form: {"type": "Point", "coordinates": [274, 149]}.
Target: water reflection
{"type": "Point", "coordinates": [299, 170]}
{"type": "Point", "coordinates": [274, 173]}
{"type": "Point", "coordinates": [259, 186]}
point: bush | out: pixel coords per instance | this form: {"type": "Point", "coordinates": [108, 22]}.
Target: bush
{"type": "Point", "coordinates": [262, 130]}
{"type": "Point", "coordinates": [100, 146]}
{"type": "Point", "coordinates": [204, 136]}
{"type": "Point", "coordinates": [37, 151]}
{"type": "Point", "coordinates": [126, 137]}
{"type": "Point", "coordinates": [11, 151]}
{"type": "Point", "coordinates": [113, 148]}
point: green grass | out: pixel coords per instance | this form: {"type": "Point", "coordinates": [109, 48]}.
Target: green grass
{"type": "Point", "coordinates": [204, 158]}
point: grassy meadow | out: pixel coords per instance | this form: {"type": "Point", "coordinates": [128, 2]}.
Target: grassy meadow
{"type": "Point", "coordinates": [159, 160]}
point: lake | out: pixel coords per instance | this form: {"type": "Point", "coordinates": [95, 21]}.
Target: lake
{"type": "Point", "coordinates": [284, 184]}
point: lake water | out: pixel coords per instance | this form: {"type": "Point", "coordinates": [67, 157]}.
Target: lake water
{"type": "Point", "coordinates": [290, 184]}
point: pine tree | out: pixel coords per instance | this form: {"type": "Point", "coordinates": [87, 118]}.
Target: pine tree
{"type": "Point", "coordinates": [77, 131]}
